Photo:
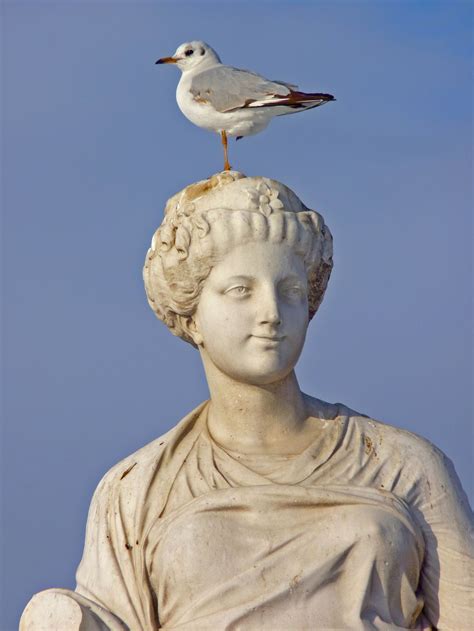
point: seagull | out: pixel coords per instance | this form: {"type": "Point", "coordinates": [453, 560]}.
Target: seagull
{"type": "Point", "coordinates": [231, 101]}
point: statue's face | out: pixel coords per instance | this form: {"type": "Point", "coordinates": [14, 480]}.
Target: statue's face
{"type": "Point", "coordinates": [252, 316]}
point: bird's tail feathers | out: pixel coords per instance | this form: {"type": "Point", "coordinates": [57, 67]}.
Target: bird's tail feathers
{"type": "Point", "coordinates": [293, 101]}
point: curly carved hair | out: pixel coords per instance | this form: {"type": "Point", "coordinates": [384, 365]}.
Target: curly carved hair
{"type": "Point", "coordinates": [206, 220]}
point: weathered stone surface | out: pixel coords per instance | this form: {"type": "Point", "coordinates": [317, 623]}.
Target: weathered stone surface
{"type": "Point", "coordinates": [60, 610]}
{"type": "Point", "coordinates": [264, 508]}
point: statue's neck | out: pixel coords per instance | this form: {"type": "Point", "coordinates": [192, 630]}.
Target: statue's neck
{"type": "Point", "coordinates": [255, 419]}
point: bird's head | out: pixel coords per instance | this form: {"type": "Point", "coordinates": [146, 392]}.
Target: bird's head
{"type": "Point", "coordinates": [192, 55]}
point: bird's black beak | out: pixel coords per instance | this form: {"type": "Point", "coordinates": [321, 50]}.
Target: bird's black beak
{"type": "Point", "coordinates": [166, 60]}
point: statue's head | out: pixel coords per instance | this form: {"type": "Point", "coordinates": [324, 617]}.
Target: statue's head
{"type": "Point", "coordinates": [234, 245]}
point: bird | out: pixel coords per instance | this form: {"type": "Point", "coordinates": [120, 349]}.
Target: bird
{"type": "Point", "coordinates": [232, 101]}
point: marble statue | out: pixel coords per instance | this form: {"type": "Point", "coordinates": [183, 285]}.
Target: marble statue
{"type": "Point", "coordinates": [264, 508]}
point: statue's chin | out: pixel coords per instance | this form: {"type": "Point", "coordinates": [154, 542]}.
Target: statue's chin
{"type": "Point", "coordinates": [263, 372]}
{"type": "Point", "coordinates": [262, 362]}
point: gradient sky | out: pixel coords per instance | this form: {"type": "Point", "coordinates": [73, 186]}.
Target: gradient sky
{"type": "Point", "coordinates": [94, 144]}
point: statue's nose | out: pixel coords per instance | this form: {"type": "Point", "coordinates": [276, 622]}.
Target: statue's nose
{"type": "Point", "coordinates": [269, 309]}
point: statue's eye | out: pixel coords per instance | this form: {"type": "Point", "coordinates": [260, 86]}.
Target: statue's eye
{"type": "Point", "coordinates": [238, 290]}
{"type": "Point", "coordinates": [188, 53]}
{"type": "Point", "coordinates": [293, 291]}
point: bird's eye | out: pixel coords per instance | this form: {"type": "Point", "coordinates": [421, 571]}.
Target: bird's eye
{"type": "Point", "coordinates": [188, 53]}
{"type": "Point", "coordinates": [202, 51]}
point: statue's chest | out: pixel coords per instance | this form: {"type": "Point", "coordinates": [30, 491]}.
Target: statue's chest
{"type": "Point", "coordinates": [285, 554]}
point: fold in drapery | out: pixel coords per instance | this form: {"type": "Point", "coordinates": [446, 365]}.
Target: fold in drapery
{"type": "Point", "coordinates": [402, 484]}
{"type": "Point", "coordinates": [285, 557]}
{"type": "Point", "coordinates": [125, 505]}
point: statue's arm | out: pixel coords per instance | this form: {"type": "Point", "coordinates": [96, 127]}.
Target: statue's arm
{"type": "Point", "coordinates": [112, 591]}
{"type": "Point", "coordinates": [447, 578]}
{"type": "Point", "coordinates": [113, 572]}
{"type": "Point", "coordinates": [63, 609]}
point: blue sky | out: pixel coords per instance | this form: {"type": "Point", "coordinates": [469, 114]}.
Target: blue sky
{"type": "Point", "coordinates": [94, 144]}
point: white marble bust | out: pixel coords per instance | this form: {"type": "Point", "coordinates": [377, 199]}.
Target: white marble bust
{"type": "Point", "coordinates": [264, 508]}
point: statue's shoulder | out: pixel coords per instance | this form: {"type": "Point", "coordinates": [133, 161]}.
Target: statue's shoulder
{"type": "Point", "coordinates": [390, 439]}
{"type": "Point", "coordinates": [139, 469]}
{"type": "Point", "coordinates": [391, 458]}
{"type": "Point", "coordinates": [377, 436]}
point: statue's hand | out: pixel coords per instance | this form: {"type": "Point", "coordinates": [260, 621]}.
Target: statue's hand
{"type": "Point", "coordinates": [64, 610]}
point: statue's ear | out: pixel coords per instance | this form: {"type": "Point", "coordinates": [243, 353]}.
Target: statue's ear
{"type": "Point", "coordinates": [190, 326]}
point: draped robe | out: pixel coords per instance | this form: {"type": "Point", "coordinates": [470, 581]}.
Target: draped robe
{"type": "Point", "coordinates": [368, 528]}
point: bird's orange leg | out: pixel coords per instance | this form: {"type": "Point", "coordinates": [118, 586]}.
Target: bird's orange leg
{"type": "Point", "coordinates": [227, 166]}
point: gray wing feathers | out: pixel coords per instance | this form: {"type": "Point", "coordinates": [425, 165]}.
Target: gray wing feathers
{"type": "Point", "coordinates": [227, 88]}
{"type": "Point", "coordinates": [292, 86]}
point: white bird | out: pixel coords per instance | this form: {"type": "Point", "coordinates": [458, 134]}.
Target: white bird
{"type": "Point", "coordinates": [230, 101]}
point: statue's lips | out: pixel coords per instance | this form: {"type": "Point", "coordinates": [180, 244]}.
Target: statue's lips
{"type": "Point", "coordinates": [270, 338]}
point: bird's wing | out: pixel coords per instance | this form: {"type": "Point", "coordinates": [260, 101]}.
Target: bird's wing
{"type": "Point", "coordinates": [292, 86]}
{"type": "Point", "coordinates": [226, 88]}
